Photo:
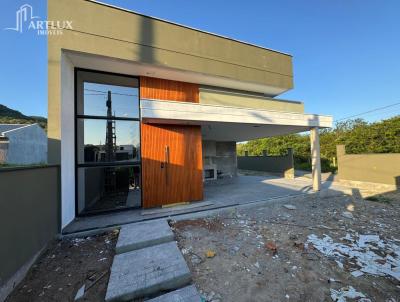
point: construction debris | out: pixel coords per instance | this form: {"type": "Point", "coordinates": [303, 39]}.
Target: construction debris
{"type": "Point", "coordinates": [289, 207]}
{"type": "Point", "coordinates": [365, 253]}
{"type": "Point", "coordinates": [347, 215]}
{"type": "Point", "coordinates": [210, 254]}
{"type": "Point", "coordinates": [245, 268]}
{"type": "Point", "coordinates": [80, 293]}
{"type": "Point", "coordinates": [349, 292]}
{"type": "Point", "coordinates": [272, 247]}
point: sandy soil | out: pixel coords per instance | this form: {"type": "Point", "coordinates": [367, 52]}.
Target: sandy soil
{"type": "Point", "coordinates": [65, 266]}
{"type": "Point", "coordinates": [261, 253]}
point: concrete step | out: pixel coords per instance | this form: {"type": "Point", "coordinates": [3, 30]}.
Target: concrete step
{"type": "Point", "coordinates": [147, 271]}
{"type": "Point", "coordinates": [186, 294]}
{"type": "Point", "coordinates": [135, 236]}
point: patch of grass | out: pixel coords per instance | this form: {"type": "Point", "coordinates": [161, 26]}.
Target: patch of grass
{"type": "Point", "coordinates": [379, 198]}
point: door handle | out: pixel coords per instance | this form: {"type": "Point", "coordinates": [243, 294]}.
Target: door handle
{"type": "Point", "coordinates": [166, 163]}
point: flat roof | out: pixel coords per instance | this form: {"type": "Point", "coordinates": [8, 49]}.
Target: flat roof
{"type": "Point", "coordinates": [185, 26]}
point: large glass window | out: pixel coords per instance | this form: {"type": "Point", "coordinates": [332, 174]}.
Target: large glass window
{"type": "Point", "coordinates": [125, 101]}
{"type": "Point", "coordinates": [107, 142]}
{"type": "Point", "coordinates": [93, 135]}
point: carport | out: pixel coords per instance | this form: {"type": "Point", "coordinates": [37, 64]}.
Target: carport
{"type": "Point", "coordinates": [233, 124]}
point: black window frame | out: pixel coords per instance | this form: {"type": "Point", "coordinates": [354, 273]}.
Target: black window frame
{"type": "Point", "coordinates": [135, 163]}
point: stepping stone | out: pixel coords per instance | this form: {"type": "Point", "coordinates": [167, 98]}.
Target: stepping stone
{"type": "Point", "coordinates": [143, 272]}
{"type": "Point", "coordinates": [135, 236]}
{"type": "Point", "coordinates": [186, 294]}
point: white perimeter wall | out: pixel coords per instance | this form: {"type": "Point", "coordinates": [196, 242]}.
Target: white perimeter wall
{"type": "Point", "coordinates": [67, 142]}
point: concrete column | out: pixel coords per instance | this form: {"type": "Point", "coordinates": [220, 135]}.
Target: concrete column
{"type": "Point", "coordinates": [315, 158]}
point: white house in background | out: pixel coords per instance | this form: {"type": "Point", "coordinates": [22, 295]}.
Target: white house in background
{"type": "Point", "coordinates": [22, 144]}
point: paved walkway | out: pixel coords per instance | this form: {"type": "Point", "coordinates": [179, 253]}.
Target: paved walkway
{"type": "Point", "coordinates": [149, 263]}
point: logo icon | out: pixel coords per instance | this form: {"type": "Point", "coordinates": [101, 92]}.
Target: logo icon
{"type": "Point", "coordinates": [25, 19]}
{"type": "Point", "coordinates": [22, 16]}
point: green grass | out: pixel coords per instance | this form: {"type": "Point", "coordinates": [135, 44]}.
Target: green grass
{"type": "Point", "coordinates": [379, 198]}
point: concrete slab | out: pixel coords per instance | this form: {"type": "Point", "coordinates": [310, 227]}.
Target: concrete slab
{"type": "Point", "coordinates": [135, 236]}
{"type": "Point", "coordinates": [147, 271]}
{"type": "Point", "coordinates": [186, 294]}
{"type": "Point", "coordinates": [193, 205]}
{"type": "Point", "coordinates": [241, 190]}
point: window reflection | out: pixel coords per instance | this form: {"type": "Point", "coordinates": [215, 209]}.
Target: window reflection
{"type": "Point", "coordinates": [125, 100]}
{"type": "Point", "coordinates": [99, 147]}
{"type": "Point", "coordinates": [107, 142]}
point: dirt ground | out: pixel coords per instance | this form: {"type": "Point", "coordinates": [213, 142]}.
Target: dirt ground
{"type": "Point", "coordinates": [65, 266]}
{"type": "Point", "coordinates": [262, 254]}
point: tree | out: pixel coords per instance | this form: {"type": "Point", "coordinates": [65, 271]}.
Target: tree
{"type": "Point", "coordinates": [358, 135]}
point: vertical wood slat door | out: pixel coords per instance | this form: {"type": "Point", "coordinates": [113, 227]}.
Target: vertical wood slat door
{"type": "Point", "coordinates": [181, 180]}
{"type": "Point", "coordinates": [171, 164]}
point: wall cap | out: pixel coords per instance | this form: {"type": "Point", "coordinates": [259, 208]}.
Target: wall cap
{"type": "Point", "coordinates": [18, 168]}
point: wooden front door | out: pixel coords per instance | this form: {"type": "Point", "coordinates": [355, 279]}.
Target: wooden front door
{"type": "Point", "coordinates": [171, 164]}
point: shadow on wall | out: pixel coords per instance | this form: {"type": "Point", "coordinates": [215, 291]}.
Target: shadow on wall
{"type": "Point", "coordinates": [146, 40]}
{"type": "Point", "coordinates": [53, 151]}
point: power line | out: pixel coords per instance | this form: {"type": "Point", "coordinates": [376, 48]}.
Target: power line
{"type": "Point", "coordinates": [366, 112]}
{"type": "Point", "coordinates": [105, 92]}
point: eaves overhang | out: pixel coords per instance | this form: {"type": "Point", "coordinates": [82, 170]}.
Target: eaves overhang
{"type": "Point", "coordinates": [190, 113]}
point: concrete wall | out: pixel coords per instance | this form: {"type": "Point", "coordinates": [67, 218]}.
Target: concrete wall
{"type": "Point", "coordinates": [29, 218]}
{"type": "Point", "coordinates": [246, 100]}
{"type": "Point", "coordinates": [125, 36]}
{"type": "Point", "coordinates": [273, 164]}
{"type": "Point", "coordinates": [3, 149]}
{"type": "Point", "coordinates": [378, 168]}
{"type": "Point", "coordinates": [222, 155]}
{"type": "Point", "coordinates": [27, 145]}
{"type": "Point", "coordinates": [67, 147]}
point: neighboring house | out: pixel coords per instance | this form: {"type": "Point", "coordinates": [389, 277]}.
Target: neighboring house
{"type": "Point", "coordinates": [22, 144]}
{"type": "Point", "coordinates": [179, 97]}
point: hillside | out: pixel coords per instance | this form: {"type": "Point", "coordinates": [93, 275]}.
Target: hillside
{"type": "Point", "coordinates": [11, 116]}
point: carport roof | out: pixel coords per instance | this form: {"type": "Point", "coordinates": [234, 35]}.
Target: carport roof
{"type": "Point", "coordinates": [225, 123]}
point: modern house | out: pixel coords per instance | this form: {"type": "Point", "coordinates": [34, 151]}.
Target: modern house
{"type": "Point", "coordinates": [142, 111]}
{"type": "Point", "coordinates": [22, 144]}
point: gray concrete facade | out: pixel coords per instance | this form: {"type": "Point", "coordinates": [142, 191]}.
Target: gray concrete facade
{"type": "Point", "coordinates": [220, 156]}
{"type": "Point", "coordinates": [23, 144]}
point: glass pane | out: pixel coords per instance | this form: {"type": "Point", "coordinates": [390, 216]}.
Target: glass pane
{"type": "Point", "coordinates": [109, 100]}
{"type": "Point", "coordinates": [102, 141]}
{"type": "Point", "coordinates": [108, 188]}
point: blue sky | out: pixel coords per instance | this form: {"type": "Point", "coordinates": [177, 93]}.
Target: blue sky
{"type": "Point", "coordinates": [345, 52]}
